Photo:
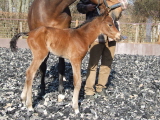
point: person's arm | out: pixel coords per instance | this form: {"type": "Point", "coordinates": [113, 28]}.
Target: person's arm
{"type": "Point", "coordinates": [85, 6]}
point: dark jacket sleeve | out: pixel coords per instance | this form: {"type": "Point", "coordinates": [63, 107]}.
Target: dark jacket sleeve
{"type": "Point", "coordinates": [81, 6]}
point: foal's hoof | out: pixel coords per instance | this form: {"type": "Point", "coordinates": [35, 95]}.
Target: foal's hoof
{"type": "Point", "coordinates": [61, 97]}
{"type": "Point", "coordinates": [30, 109]}
{"type": "Point", "coordinates": [23, 103]}
{"type": "Point", "coordinates": [76, 111]}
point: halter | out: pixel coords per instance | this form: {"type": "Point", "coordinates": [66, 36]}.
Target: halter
{"type": "Point", "coordinates": [105, 3]}
{"type": "Point", "coordinates": [98, 8]}
{"type": "Point", "coordinates": [109, 7]}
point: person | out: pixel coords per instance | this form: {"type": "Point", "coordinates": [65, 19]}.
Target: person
{"type": "Point", "coordinates": [102, 50]}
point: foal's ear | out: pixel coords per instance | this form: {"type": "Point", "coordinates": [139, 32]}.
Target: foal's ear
{"type": "Point", "coordinates": [105, 13]}
{"type": "Point", "coordinates": [107, 10]}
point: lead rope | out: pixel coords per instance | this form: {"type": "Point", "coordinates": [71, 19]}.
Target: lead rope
{"type": "Point", "coordinates": [105, 2]}
{"type": "Point", "coordinates": [98, 11]}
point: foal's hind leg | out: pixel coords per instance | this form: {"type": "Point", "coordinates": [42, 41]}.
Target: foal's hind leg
{"type": "Point", "coordinates": [61, 71]}
{"type": "Point", "coordinates": [26, 95]}
{"type": "Point", "coordinates": [43, 68]}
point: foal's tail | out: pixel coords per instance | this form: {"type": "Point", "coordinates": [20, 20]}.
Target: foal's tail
{"type": "Point", "coordinates": [14, 40]}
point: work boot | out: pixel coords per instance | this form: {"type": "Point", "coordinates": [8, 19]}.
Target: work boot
{"type": "Point", "coordinates": [101, 90]}
{"type": "Point", "coordinates": [89, 93]}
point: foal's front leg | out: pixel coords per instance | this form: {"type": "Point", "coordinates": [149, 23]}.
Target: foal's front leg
{"type": "Point", "coordinates": [76, 66]}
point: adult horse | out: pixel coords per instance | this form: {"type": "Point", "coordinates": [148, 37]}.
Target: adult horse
{"type": "Point", "coordinates": [68, 43]}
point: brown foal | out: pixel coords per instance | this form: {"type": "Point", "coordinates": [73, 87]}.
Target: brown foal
{"type": "Point", "coordinates": [68, 43]}
{"type": "Point", "coordinates": [56, 13]}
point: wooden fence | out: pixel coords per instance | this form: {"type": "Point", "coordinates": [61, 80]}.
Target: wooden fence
{"type": "Point", "coordinates": [137, 32]}
{"type": "Point", "coordinates": [13, 23]}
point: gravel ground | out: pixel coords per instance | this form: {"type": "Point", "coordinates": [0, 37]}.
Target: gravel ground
{"type": "Point", "coordinates": [133, 91]}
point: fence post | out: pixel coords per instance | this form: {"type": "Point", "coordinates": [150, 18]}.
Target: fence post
{"type": "Point", "coordinates": [77, 22]}
{"type": "Point", "coordinates": [137, 33]}
{"type": "Point", "coordinates": [159, 33]}
{"type": "Point", "coordinates": [20, 28]}
{"type": "Point", "coordinates": [159, 39]}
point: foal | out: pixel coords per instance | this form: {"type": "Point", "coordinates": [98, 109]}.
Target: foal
{"type": "Point", "coordinates": [68, 43]}
{"type": "Point", "coordinates": [56, 13]}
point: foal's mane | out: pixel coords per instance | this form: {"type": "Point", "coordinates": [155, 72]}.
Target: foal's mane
{"type": "Point", "coordinates": [89, 20]}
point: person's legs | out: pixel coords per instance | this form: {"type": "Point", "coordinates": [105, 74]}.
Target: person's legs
{"type": "Point", "coordinates": [105, 68]}
{"type": "Point", "coordinates": [95, 54]}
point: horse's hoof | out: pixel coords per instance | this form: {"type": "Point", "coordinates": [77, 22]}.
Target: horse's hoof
{"type": "Point", "coordinates": [42, 93]}
{"type": "Point", "coordinates": [64, 79]}
{"type": "Point", "coordinates": [61, 97]}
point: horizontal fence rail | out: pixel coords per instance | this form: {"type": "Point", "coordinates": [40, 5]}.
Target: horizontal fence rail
{"type": "Point", "coordinates": [131, 32]}
{"type": "Point", "coordinates": [121, 48]}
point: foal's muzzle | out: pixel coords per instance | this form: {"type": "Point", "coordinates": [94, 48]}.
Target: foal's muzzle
{"type": "Point", "coordinates": [118, 37]}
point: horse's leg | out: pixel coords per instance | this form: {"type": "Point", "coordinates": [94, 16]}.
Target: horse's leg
{"type": "Point", "coordinates": [61, 71]}
{"type": "Point", "coordinates": [76, 66]}
{"type": "Point", "coordinates": [43, 68]}
{"type": "Point", "coordinates": [26, 95]}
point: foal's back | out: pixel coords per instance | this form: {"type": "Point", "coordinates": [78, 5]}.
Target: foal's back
{"type": "Point", "coordinates": [52, 13]}
{"type": "Point", "coordinates": [51, 38]}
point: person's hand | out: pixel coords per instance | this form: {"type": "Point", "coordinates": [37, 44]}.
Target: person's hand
{"type": "Point", "coordinates": [90, 7]}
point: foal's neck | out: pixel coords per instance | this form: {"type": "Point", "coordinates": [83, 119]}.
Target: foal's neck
{"type": "Point", "coordinates": [91, 30]}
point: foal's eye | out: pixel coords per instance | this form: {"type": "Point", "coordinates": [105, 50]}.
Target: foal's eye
{"type": "Point", "coordinates": [110, 25]}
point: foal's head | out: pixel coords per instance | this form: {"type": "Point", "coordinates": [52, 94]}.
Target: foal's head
{"type": "Point", "coordinates": [108, 28]}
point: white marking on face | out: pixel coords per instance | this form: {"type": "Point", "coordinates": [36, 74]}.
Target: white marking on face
{"type": "Point", "coordinates": [112, 19]}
